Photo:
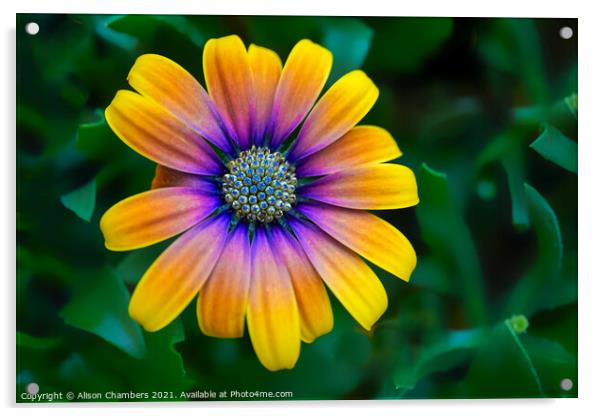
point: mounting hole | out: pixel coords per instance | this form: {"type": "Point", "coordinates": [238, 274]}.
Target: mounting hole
{"type": "Point", "coordinates": [32, 388]}
{"type": "Point", "coordinates": [32, 28]}
{"type": "Point", "coordinates": [566, 384]}
{"type": "Point", "coordinates": [566, 32]}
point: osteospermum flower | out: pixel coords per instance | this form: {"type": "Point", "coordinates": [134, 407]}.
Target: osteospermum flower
{"type": "Point", "coordinates": [269, 186]}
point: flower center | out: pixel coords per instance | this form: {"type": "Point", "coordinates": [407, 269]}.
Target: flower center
{"type": "Point", "coordinates": [260, 185]}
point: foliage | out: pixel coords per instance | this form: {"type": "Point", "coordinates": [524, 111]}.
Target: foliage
{"type": "Point", "coordinates": [485, 113]}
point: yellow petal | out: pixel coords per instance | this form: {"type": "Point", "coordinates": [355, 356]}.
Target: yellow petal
{"type": "Point", "coordinates": [171, 86]}
{"type": "Point", "coordinates": [266, 67]}
{"type": "Point", "coordinates": [314, 306]}
{"type": "Point", "coordinates": [341, 108]}
{"type": "Point", "coordinates": [304, 74]}
{"type": "Point", "coordinates": [383, 186]}
{"type": "Point", "coordinates": [230, 84]}
{"type": "Point", "coordinates": [366, 234]}
{"type": "Point", "coordinates": [177, 275]}
{"type": "Point", "coordinates": [362, 145]}
{"type": "Point", "coordinates": [222, 302]}
{"type": "Point", "coordinates": [350, 279]}
{"type": "Point", "coordinates": [272, 314]}
{"type": "Point", "coordinates": [158, 135]}
{"type": "Point", "coordinates": [153, 216]}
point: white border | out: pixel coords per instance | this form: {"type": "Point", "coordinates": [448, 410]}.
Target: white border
{"type": "Point", "coordinates": [590, 151]}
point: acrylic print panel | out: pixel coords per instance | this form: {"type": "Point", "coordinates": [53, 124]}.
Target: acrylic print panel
{"type": "Point", "coordinates": [295, 208]}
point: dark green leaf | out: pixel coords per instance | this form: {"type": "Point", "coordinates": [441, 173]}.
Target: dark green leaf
{"type": "Point", "coordinates": [29, 341]}
{"type": "Point", "coordinates": [502, 144]}
{"type": "Point", "coordinates": [349, 41]}
{"type": "Point", "coordinates": [163, 365]}
{"type": "Point", "coordinates": [430, 274]}
{"type": "Point", "coordinates": [101, 307]}
{"type": "Point", "coordinates": [554, 364]}
{"type": "Point", "coordinates": [457, 347]}
{"type": "Point", "coordinates": [140, 26]}
{"type": "Point", "coordinates": [448, 237]}
{"type": "Point", "coordinates": [513, 164]}
{"type": "Point", "coordinates": [512, 365]}
{"type": "Point", "coordinates": [123, 40]}
{"type": "Point", "coordinates": [572, 102]}
{"type": "Point", "coordinates": [281, 35]}
{"type": "Point", "coordinates": [82, 200]}
{"type": "Point", "coordinates": [557, 148]}
{"type": "Point", "coordinates": [452, 120]}
{"type": "Point", "coordinates": [96, 140]}
{"type": "Point", "coordinates": [513, 45]}
{"type": "Point", "coordinates": [356, 355]}
{"type": "Point", "coordinates": [134, 264]}
{"type": "Point", "coordinates": [503, 368]}
{"type": "Point", "coordinates": [542, 285]}
{"type": "Point", "coordinates": [414, 41]}
{"type": "Point", "coordinates": [546, 226]}
{"type": "Point", "coordinates": [506, 147]}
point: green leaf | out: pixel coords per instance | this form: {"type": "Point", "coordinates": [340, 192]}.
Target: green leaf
{"type": "Point", "coordinates": [507, 148]}
{"type": "Point", "coordinates": [513, 45]}
{"type": "Point", "coordinates": [546, 226]}
{"type": "Point", "coordinates": [82, 200]}
{"type": "Point", "coordinates": [103, 30]}
{"type": "Point", "coordinates": [430, 274]}
{"type": "Point", "coordinates": [553, 363]}
{"type": "Point", "coordinates": [141, 26]}
{"type": "Point", "coordinates": [163, 365]}
{"type": "Point", "coordinates": [448, 237]}
{"type": "Point", "coordinates": [96, 140]}
{"type": "Point", "coordinates": [503, 368]}
{"type": "Point", "coordinates": [554, 146]}
{"type": "Point", "coordinates": [29, 341]}
{"type": "Point", "coordinates": [502, 144]}
{"type": "Point", "coordinates": [281, 34]}
{"type": "Point", "coordinates": [403, 44]}
{"type": "Point", "coordinates": [513, 164]}
{"type": "Point", "coordinates": [359, 353]}
{"type": "Point", "coordinates": [572, 102]}
{"type": "Point", "coordinates": [542, 285]}
{"type": "Point", "coordinates": [512, 365]}
{"type": "Point", "coordinates": [450, 120]}
{"type": "Point", "coordinates": [349, 41]}
{"type": "Point", "coordinates": [134, 264]}
{"type": "Point", "coordinates": [447, 353]}
{"type": "Point", "coordinates": [101, 307]}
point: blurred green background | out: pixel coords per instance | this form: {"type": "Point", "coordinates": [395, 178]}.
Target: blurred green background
{"type": "Point", "coordinates": [485, 111]}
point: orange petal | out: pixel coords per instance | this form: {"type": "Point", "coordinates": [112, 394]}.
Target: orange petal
{"type": "Point", "coordinates": [171, 86]}
{"type": "Point", "coordinates": [230, 83]}
{"type": "Point", "coordinates": [272, 314]}
{"type": "Point", "coordinates": [383, 244]}
{"type": "Point", "coordinates": [266, 67]}
{"type": "Point", "coordinates": [362, 145]}
{"type": "Point", "coordinates": [222, 302]}
{"type": "Point", "coordinates": [341, 108]}
{"type": "Point", "coordinates": [166, 177]}
{"type": "Point", "coordinates": [304, 74]}
{"type": "Point", "coordinates": [383, 186]}
{"type": "Point", "coordinates": [314, 306]}
{"type": "Point", "coordinates": [177, 275]}
{"type": "Point", "coordinates": [153, 216]}
{"type": "Point", "coordinates": [347, 276]}
{"type": "Point", "coordinates": [158, 135]}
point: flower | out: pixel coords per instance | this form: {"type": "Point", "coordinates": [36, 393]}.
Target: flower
{"type": "Point", "coordinates": [268, 186]}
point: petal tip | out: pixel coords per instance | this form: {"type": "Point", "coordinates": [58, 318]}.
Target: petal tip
{"type": "Point", "coordinates": [140, 317]}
